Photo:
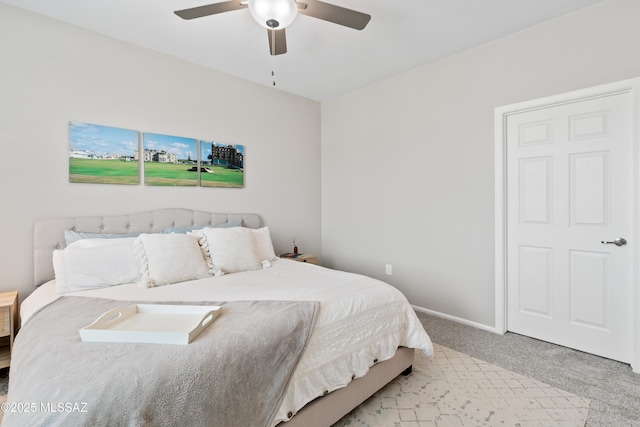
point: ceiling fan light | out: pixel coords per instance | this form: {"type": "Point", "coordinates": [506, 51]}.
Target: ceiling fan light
{"type": "Point", "coordinates": [273, 14]}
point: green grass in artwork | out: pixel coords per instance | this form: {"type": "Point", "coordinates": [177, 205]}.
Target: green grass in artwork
{"type": "Point", "coordinates": [222, 177]}
{"type": "Point", "coordinates": [103, 171]}
{"type": "Point", "coordinates": [169, 174]}
{"type": "Point", "coordinates": [180, 174]}
{"type": "Point", "coordinates": [161, 174]}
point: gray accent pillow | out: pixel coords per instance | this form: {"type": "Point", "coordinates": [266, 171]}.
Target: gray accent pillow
{"type": "Point", "coordinates": [71, 236]}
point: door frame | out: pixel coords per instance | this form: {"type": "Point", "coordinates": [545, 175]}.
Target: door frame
{"type": "Point", "coordinates": [500, 168]}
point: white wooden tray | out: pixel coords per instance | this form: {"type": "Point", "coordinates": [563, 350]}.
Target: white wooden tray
{"type": "Point", "coordinates": [151, 323]}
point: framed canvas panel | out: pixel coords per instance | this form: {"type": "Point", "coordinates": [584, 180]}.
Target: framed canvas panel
{"type": "Point", "coordinates": [221, 165]}
{"type": "Point", "coordinates": [169, 160]}
{"type": "Point", "coordinates": [103, 154]}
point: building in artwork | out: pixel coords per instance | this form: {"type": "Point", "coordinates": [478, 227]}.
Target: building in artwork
{"type": "Point", "coordinates": [81, 154]}
{"type": "Point", "coordinates": [92, 155]}
{"type": "Point", "coordinates": [226, 156]}
{"type": "Point", "coordinates": [160, 156]}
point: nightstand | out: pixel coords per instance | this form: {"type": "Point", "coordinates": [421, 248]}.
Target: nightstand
{"type": "Point", "coordinates": [8, 325]}
{"type": "Point", "coordinates": [311, 259]}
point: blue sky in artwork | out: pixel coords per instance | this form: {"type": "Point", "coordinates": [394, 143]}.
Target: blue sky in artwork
{"type": "Point", "coordinates": [106, 140]}
{"type": "Point", "coordinates": [102, 140]}
{"type": "Point", "coordinates": [181, 146]}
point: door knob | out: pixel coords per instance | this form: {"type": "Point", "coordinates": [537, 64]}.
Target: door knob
{"type": "Point", "coordinates": [618, 242]}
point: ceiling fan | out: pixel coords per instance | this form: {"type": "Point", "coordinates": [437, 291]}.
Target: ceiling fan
{"type": "Point", "coordinates": [276, 15]}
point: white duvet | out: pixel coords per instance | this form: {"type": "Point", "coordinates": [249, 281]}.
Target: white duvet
{"type": "Point", "coordinates": [361, 319]}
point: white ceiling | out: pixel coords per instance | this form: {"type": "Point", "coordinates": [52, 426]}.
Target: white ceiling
{"type": "Point", "coordinates": [323, 59]}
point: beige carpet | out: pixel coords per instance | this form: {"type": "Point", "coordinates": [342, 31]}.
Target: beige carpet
{"type": "Point", "coordinates": [454, 389]}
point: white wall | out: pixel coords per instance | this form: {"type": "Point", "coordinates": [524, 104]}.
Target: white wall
{"type": "Point", "coordinates": [407, 163]}
{"type": "Point", "coordinates": [52, 72]}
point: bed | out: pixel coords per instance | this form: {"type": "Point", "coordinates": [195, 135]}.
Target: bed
{"type": "Point", "coordinates": [361, 332]}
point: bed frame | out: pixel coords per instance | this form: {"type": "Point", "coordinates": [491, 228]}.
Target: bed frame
{"type": "Point", "coordinates": [321, 412]}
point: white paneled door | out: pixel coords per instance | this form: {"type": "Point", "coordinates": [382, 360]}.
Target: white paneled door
{"type": "Point", "coordinates": [569, 197]}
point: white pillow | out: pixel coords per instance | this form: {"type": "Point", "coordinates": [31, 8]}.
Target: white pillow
{"type": "Point", "coordinates": [264, 245]}
{"type": "Point", "coordinates": [230, 250]}
{"type": "Point", "coordinates": [91, 265]}
{"type": "Point", "coordinates": [169, 258]}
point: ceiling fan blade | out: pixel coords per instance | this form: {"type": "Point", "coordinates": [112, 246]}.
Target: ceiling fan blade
{"type": "Point", "coordinates": [210, 9]}
{"type": "Point", "coordinates": [277, 42]}
{"type": "Point", "coordinates": [332, 13]}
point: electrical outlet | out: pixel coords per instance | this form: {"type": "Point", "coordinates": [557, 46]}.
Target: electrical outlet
{"type": "Point", "coordinates": [388, 269]}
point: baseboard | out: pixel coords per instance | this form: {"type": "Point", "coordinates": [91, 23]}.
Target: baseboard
{"type": "Point", "coordinates": [457, 319]}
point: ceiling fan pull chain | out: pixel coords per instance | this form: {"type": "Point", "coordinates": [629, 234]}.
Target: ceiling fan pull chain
{"type": "Point", "coordinates": [273, 73]}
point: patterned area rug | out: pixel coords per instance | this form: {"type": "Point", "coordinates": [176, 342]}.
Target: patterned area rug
{"type": "Point", "coordinates": [454, 389]}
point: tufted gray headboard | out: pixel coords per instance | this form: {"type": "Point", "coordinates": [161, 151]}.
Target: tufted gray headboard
{"type": "Point", "coordinates": [49, 233]}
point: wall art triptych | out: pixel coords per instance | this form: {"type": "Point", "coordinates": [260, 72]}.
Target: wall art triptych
{"type": "Point", "coordinates": [108, 155]}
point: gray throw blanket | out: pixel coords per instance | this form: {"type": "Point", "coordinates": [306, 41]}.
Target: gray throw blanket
{"type": "Point", "coordinates": [234, 373]}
